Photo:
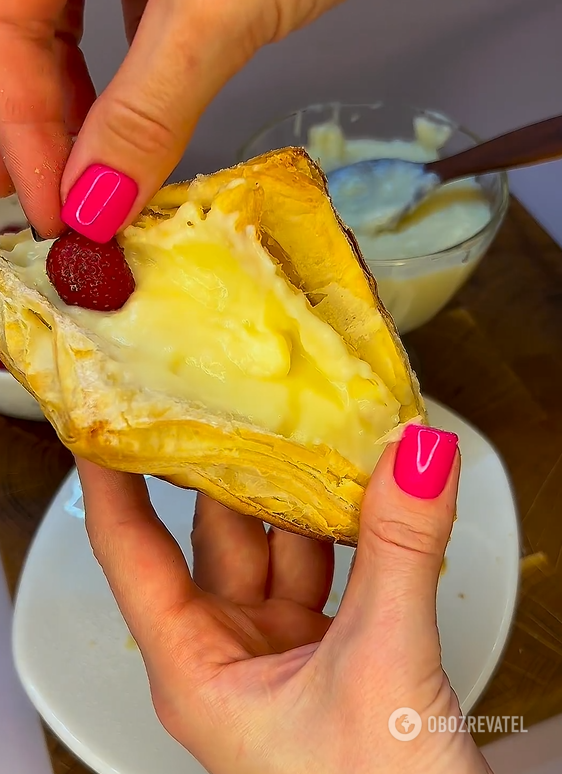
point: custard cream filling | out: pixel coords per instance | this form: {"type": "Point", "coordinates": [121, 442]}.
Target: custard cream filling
{"type": "Point", "coordinates": [214, 322]}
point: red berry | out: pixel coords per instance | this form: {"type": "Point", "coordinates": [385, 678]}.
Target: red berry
{"type": "Point", "coordinates": [90, 275]}
{"type": "Point", "coordinates": [2, 366]}
{"type": "Point", "coordinates": [11, 229]}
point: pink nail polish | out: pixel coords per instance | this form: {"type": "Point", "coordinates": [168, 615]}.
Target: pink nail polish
{"type": "Point", "coordinates": [424, 460]}
{"type": "Point", "coordinates": [99, 202]}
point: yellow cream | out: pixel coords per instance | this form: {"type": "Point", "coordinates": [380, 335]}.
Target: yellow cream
{"type": "Point", "coordinates": [213, 320]}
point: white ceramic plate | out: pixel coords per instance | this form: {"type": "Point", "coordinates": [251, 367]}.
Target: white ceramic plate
{"type": "Point", "coordinates": [85, 676]}
{"type": "Point", "coordinates": [16, 401]}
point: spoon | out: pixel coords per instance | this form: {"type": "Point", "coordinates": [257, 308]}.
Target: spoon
{"type": "Point", "coordinates": [375, 195]}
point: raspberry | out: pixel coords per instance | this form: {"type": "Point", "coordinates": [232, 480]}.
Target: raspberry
{"type": "Point", "coordinates": [90, 275]}
{"type": "Point", "coordinates": [2, 366]}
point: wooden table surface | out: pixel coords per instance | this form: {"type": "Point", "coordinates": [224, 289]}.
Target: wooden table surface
{"type": "Point", "coordinates": [495, 357]}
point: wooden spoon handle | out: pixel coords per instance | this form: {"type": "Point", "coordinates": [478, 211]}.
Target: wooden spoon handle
{"type": "Point", "coordinates": [529, 145]}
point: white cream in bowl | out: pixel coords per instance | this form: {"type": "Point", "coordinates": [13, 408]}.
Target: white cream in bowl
{"type": "Point", "coordinates": [421, 263]}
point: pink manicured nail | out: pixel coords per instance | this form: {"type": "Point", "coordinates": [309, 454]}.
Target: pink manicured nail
{"type": "Point", "coordinates": [99, 202]}
{"type": "Point", "coordinates": [424, 460]}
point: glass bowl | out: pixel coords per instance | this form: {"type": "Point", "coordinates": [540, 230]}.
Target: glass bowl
{"type": "Point", "coordinates": [413, 289]}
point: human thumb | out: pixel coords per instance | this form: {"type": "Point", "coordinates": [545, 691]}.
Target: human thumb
{"type": "Point", "coordinates": [406, 520]}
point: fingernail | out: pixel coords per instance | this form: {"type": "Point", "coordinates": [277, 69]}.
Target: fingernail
{"type": "Point", "coordinates": [424, 460]}
{"type": "Point", "coordinates": [99, 202]}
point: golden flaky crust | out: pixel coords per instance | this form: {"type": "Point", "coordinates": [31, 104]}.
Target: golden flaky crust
{"type": "Point", "coordinates": [311, 491]}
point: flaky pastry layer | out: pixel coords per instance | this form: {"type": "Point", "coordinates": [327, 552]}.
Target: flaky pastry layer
{"type": "Point", "coordinates": [308, 489]}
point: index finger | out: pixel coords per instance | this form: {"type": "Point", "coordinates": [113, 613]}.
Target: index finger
{"type": "Point", "coordinates": [142, 562]}
{"type": "Point", "coordinates": [34, 140]}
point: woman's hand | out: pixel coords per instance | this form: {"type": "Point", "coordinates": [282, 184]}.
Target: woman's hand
{"type": "Point", "coordinates": [45, 95]}
{"type": "Point", "coordinates": [244, 669]}
{"type": "Point", "coordinates": [182, 53]}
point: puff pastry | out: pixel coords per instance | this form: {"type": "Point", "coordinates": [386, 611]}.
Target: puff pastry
{"type": "Point", "coordinates": [254, 362]}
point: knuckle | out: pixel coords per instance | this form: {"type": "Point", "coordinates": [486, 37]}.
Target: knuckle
{"type": "Point", "coordinates": [286, 17]}
{"type": "Point", "coordinates": [414, 531]}
{"type": "Point", "coordinates": [137, 126]}
{"type": "Point", "coordinates": [38, 31]}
